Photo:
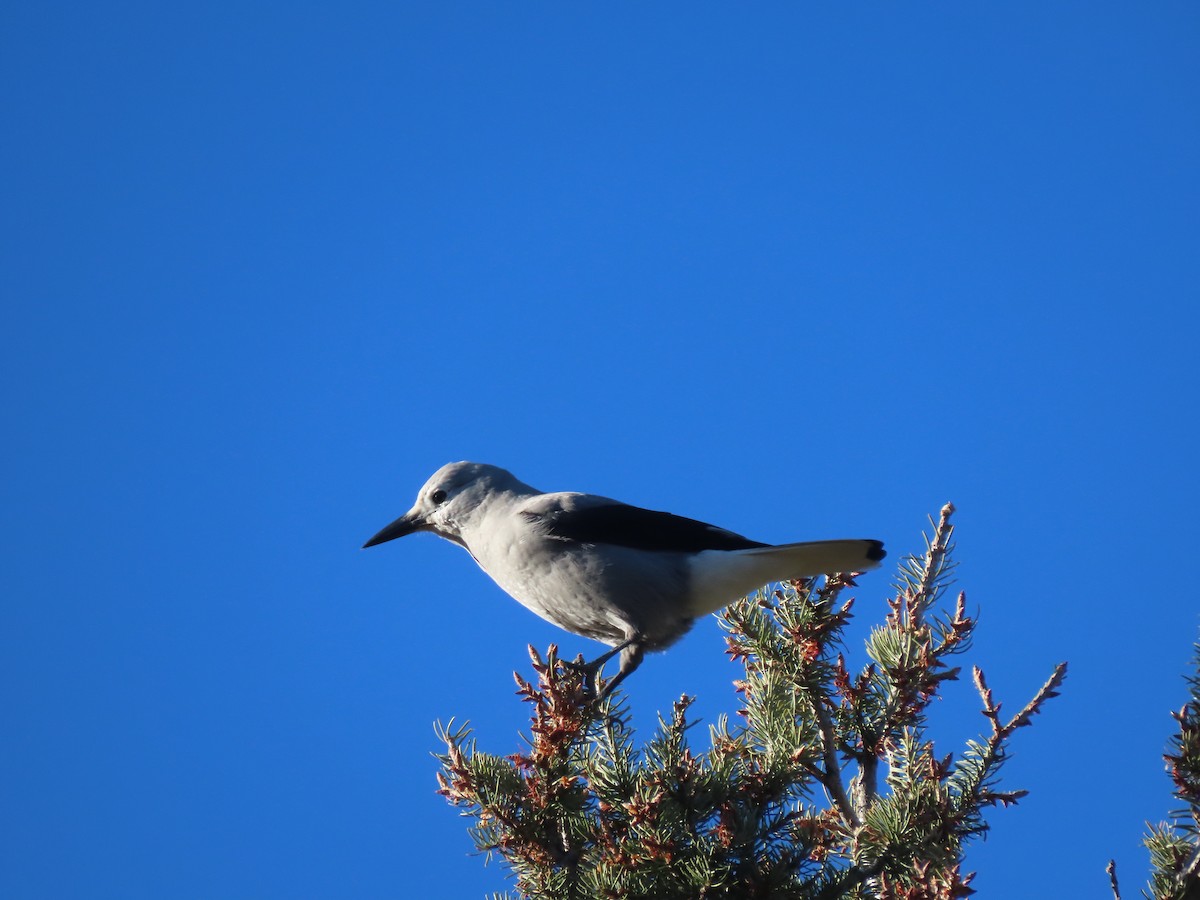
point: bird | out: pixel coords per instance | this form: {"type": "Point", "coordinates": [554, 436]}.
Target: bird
{"type": "Point", "coordinates": [632, 578]}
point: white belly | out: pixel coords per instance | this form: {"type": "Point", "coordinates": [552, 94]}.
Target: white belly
{"type": "Point", "coordinates": [603, 592]}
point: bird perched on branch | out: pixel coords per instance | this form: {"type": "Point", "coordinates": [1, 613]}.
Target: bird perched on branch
{"type": "Point", "coordinates": [633, 578]}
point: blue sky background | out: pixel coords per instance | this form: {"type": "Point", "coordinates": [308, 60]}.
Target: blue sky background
{"type": "Point", "coordinates": [801, 270]}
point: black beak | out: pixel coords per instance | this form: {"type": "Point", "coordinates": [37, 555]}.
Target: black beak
{"type": "Point", "coordinates": [406, 524]}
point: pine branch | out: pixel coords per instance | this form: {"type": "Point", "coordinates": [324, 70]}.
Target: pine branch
{"type": "Point", "coordinates": [991, 709]}
{"type": "Point", "coordinates": [909, 650]}
{"type": "Point", "coordinates": [935, 569]}
{"type": "Point", "coordinates": [1175, 847]}
{"type": "Point", "coordinates": [831, 775]}
{"type": "Point", "coordinates": [973, 779]}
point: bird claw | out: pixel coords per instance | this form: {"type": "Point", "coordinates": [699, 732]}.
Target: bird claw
{"type": "Point", "coordinates": [590, 673]}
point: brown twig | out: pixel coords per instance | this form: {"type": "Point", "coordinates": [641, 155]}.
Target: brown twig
{"type": "Point", "coordinates": [991, 709]}
{"type": "Point", "coordinates": [1111, 869]}
{"type": "Point", "coordinates": [831, 776]}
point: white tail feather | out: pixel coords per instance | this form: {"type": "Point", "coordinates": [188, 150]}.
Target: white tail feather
{"type": "Point", "coordinates": [718, 577]}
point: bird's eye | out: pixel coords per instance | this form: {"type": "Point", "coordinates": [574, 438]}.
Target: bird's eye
{"type": "Point", "coordinates": [438, 496]}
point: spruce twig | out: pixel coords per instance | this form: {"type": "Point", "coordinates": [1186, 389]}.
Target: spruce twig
{"type": "Point", "coordinates": [935, 561]}
{"type": "Point", "coordinates": [1111, 869]}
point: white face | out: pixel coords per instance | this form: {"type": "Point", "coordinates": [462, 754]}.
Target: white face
{"type": "Point", "coordinates": [449, 495]}
{"type": "Point", "coordinates": [447, 501]}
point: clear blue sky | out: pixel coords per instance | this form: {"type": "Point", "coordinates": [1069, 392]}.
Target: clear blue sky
{"type": "Point", "coordinates": [801, 270]}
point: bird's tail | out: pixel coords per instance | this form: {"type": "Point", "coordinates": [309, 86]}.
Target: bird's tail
{"type": "Point", "coordinates": [721, 576]}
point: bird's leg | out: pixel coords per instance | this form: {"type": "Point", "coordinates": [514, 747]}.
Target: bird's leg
{"type": "Point", "coordinates": [631, 655]}
{"type": "Point", "coordinates": [631, 658]}
{"type": "Point", "coordinates": [598, 663]}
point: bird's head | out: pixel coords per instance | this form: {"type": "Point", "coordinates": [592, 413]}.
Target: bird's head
{"type": "Point", "coordinates": [449, 501]}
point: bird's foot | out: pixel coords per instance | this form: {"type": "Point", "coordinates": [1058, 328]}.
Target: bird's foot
{"type": "Point", "coordinates": [590, 673]}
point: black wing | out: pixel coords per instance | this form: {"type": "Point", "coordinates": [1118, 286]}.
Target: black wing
{"type": "Point", "coordinates": [642, 529]}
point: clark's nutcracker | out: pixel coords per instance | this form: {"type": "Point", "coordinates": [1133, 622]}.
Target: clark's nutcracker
{"type": "Point", "coordinates": [632, 578]}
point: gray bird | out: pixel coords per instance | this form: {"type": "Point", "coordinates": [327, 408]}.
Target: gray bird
{"type": "Point", "coordinates": [633, 578]}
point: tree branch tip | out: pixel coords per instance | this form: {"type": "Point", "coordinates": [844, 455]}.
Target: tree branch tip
{"type": "Point", "coordinates": [1057, 677]}
{"type": "Point", "coordinates": [978, 678]}
{"type": "Point", "coordinates": [1111, 869]}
